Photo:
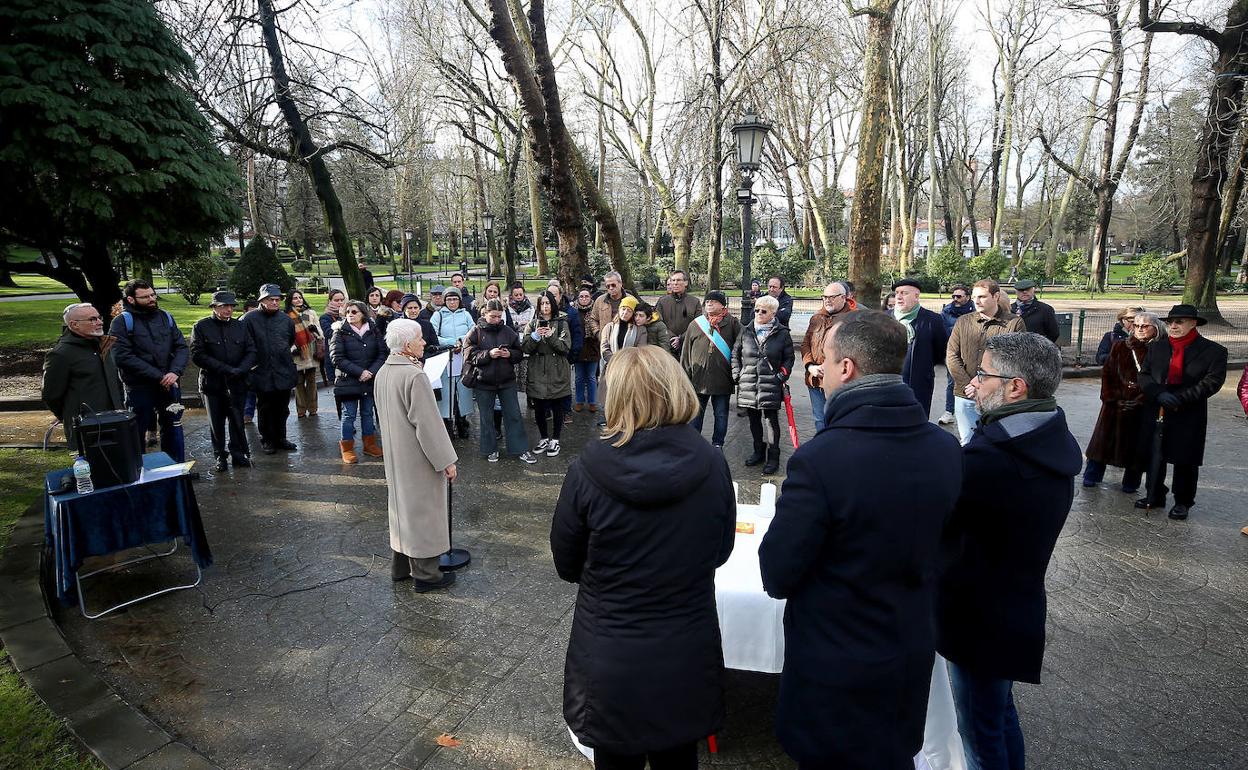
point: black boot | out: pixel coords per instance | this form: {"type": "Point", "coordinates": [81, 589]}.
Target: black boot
{"type": "Point", "coordinates": [757, 457]}
{"type": "Point", "coordinates": [400, 566]}
{"type": "Point", "coordinates": [462, 424]}
{"type": "Point", "coordinates": [773, 460]}
{"type": "Point", "coordinates": [450, 426]}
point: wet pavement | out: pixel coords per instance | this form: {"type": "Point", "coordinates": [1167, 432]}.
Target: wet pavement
{"type": "Point", "coordinates": [298, 652]}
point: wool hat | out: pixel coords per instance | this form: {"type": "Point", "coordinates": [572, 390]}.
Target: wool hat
{"type": "Point", "coordinates": [1024, 285]}
{"type": "Point", "coordinates": [1184, 311]}
{"type": "Point", "coordinates": [907, 282]}
{"type": "Point", "coordinates": [718, 296]}
{"type": "Point", "coordinates": [437, 289]}
{"type": "Point", "coordinates": [406, 299]}
{"type": "Point", "coordinates": [270, 290]}
{"type": "Point", "coordinates": [452, 292]}
{"type": "Point", "coordinates": [629, 302]}
{"type": "Point", "coordinates": [223, 298]}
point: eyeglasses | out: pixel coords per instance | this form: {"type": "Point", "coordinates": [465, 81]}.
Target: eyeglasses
{"type": "Point", "coordinates": [352, 312]}
{"type": "Point", "coordinates": [981, 374]}
{"type": "Point", "coordinates": [959, 296]}
{"type": "Point", "coordinates": [761, 311]}
{"type": "Point", "coordinates": [832, 296]}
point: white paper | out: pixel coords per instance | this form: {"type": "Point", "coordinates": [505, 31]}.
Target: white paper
{"type": "Point", "coordinates": [165, 472]}
{"type": "Point", "coordinates": [434, 368]}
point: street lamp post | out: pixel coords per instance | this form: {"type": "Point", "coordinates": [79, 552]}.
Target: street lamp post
{"type": "Point", "coordinates": [750, 134]}
{"type": "Point", "coordinates": [487, 222]}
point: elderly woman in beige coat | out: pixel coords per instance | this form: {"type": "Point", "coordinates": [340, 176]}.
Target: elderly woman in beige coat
{"type": "Point", "coordinates": [419, 460]}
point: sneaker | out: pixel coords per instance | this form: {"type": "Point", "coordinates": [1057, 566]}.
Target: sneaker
{"type": "Point", "coordinates": [947, 419]}
{"type": "Point", "coordinates": [553, 449]}
{"type": "Point", "coordinates": [528, 457]}
{"type": "Point", "coordinates": [492, 457]}
{"type": "Point", "coordinates": [541, 446]}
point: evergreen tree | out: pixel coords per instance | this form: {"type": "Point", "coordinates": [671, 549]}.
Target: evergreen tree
{"type": "Point", "coordinates": [101, 151]}
{"type": "Point", "coordinates": [257, 266]}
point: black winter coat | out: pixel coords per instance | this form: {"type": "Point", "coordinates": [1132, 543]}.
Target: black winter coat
{"type": "Point", "coordinates": [493, 373]}
{"type": "Point", "coordinates": [1204, 372]}
{"type": "Point", "coordinates": [352, 354]}
{"type": "Point", "coordinates": [858, 567]}
{"type": "Point", "coordinates": [928, 349]}
{"type": "Point", "coordinates": [644, 668]}
{"type": "Point", "coordinates": [1017, 489]}
{"type": "Point", "coordinates": [760, 383]}
{"type": "Point", "coordinates": [153, 349]}
{"type": "Point", "coordinates": [224, 353]}
{"type": "Point", "coordinates": [785, 311]}
{"type": "Point", "coordinates": [1039, 318]}
{"type": "Point", "coordinates": [273, 335]}
{"type": "Point", "coordinates": [77, 375]}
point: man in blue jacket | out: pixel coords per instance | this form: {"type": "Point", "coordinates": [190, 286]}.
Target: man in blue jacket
{"type": "Point", "coordinates": [857, 564]}
{"type": "Point", "coordinates": [151, 355]}
{"type": "Point", "coordinates": [961, 305]}
{"type": "Point", "coordinates": [991, 605]}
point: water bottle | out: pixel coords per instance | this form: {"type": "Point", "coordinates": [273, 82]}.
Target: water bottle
{"type": "Point", "coordinates": [82, 475]}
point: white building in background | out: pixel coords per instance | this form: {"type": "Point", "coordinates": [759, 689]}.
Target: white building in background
{"type": "Point", "coordinates": [982, 228]}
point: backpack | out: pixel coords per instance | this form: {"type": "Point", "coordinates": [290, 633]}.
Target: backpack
{"type": "Point", "coordinates": [129, 320]}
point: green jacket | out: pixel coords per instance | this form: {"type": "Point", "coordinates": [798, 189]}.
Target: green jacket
{"type": "Point", "coordinates": [708, 369]}
{"type": "Point", "coordinates": [550, 374]}
{"type": "Point", "coordinates": [76, 375]}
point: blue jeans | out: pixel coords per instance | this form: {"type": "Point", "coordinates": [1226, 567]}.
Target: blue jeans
{"type": "Point", "coordinates": [987, 720]}
{"type": "Point", "coordinates": [513, 425]}
{"type": "Point", "coordinates": [586, 382]}
{"type": "Point", "coordinates": [362, 406]}
{"type": "Point", "coordinates": [949, 393]}
{"type": "Point", "coordinates": [818, 403]}
{"type": "Point", "coordinates": [148, 403]}
{"type": "Point", "coordinates": [967, 416]}
{"type": "Point", "coordinates": [720, 404]}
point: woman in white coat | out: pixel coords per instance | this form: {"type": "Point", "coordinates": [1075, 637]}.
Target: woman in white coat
{"type": "Point", "coordinates": [419, 459]}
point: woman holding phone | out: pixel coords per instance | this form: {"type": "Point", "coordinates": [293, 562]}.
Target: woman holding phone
{"type": "Point", "coordinates": [547, 340]}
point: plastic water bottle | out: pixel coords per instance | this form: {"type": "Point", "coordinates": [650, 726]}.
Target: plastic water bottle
{"type": "Point", "coordinates": [82, 475]}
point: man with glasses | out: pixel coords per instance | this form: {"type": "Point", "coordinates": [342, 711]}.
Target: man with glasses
{"type": "Point", "coordinates": [678, 308]}
{"type": "Point", "coordinates": [78, 372]}
{"type": "Point", "coordinates": [958, 307]}
{"type": "Point", "coordinates": [833, 310]}
{"type": "Point", "coordinates": [273, 377]}
{"type": "Point", "coordinates": [607, 306]}
{"type": "Point", "coordinates": [966, 344]}
{"type": "Point", "coordinates": [1017, 489]}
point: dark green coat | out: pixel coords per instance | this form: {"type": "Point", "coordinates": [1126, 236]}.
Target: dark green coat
{"type": "Point", "coordinates": [550, 374]}
{"type": "Point", "coordinates": [708, 369]}
{"type": "Point", "coordinates": [75, 374]}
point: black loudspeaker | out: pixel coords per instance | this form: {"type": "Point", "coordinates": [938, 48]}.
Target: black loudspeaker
{"type": "Point", "coordinates": [111, 443]}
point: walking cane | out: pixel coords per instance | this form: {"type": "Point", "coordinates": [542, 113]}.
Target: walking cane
{"type": "Point", "coordinates": [455, 558]}
{"type": "Point", "coordinates": [1157, 463]}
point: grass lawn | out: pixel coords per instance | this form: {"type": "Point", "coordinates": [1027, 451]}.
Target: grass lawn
{"type": "Point", "coordinates": [36, 322]}
{"type": "Point", "coordinates": [33, 284]}
{"type": "Point", "coordinates": [30, 736]}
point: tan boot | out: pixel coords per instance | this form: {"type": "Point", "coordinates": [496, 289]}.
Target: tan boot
{"type": "Point", "coordinates": [348, 451]}
{"type": "Point", "coordinates": [371, 447]}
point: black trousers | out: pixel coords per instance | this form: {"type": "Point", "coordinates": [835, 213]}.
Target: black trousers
{"type": "Point", "coordinates": [684, 757]}
{"type": "Point", "coordinates": [542, 407]}
{"type": "Point", "coordinates": [756, 424]}
{"type": "Point", "coordinates": [149, 405]}
{"type": "Point", "coordinates": [223, 408]}
{"type": "Point", "coordinates": [272, 409]}
{"type": "Point", "coordinates": [1185, 478]}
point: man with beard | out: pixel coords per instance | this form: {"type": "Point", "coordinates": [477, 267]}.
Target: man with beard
{"type": "Point", "coordinates": [79, 372]}
{"type": "Point", "coordinates": [990, 609]}
{"type": "Point", "coordinates": [834, 309]}
{"type": "Point", "coordinates": [273, 377]}
{"type": "Point", "coordinates": [151, 355]}
{"type": "Point", "coordinates": [966, 345]}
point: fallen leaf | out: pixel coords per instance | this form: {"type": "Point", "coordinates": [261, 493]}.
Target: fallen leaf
{"type": "Point", "coordinates": [449, 741]}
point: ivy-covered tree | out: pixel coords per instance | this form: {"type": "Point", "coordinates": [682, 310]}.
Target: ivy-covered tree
{"type": "Point", "coordinates": [257, 266]}
{"type": "Point", "coordinates": [101, 152]}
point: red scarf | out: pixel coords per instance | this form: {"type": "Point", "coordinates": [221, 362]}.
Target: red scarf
{"type": "Point", "coordinates": [717, 318]}
{"type": "Point", "coordinates": [1177, 346]}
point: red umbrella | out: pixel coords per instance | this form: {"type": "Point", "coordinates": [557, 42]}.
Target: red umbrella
{"type": "Point", "coordinates": [788, 411]}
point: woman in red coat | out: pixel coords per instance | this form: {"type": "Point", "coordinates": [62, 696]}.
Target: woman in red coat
{"type": "Point", "coordinates": [1116, 437]}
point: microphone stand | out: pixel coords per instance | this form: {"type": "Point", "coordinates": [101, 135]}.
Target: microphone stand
{"type": "Point", "coordinates": [455, 558]}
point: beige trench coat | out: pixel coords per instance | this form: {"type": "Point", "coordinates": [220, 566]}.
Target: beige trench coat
{"type": "Point", "coordinates": [417, 452]}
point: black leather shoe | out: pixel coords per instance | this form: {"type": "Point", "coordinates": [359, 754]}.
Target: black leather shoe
{"type": "Point", "coordinates": [289, 446]}
{"type": "Point", "coordinates": [1179, 512]}
{"type": "Point", "coordinates": [1144, 504]}
{"type": "Point", "coordinates": [242, 461]}
{"type": "Point", "coordinates": [757, 457]}
{"type": "Point", "coordinates": [400, 566]}
{"type": "Point", "coordinates": [421, 586]}
{"type": "Point", "coordinates": [221, 466]}
{"type": "Point", "coordinates": [267, 448]}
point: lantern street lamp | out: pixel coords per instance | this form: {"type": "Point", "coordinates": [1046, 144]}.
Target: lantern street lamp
{"type": "Point", "coordinates": [750, 134]}
{"type": "Point", "coordinates": [487, 224]}
{"type": "Point", "coordinates": [408, 244]}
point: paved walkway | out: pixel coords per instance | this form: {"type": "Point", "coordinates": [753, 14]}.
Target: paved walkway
{"type": "Point", "coordinates": [299, 652]}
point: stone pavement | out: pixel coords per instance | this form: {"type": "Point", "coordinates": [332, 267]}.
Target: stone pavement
{"type": "Point", "coordinates": [298, 651]}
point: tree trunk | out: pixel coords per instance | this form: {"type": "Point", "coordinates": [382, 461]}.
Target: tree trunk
{"type": "Point", "coordinates": [535, 212]}
{"type": "Point", "coordinates": [682, 240]}
{"type": "Point", "coordinates": [6, 273]}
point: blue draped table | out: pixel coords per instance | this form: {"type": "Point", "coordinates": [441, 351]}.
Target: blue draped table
{"type": "Point", "coordinates": [141, 513]}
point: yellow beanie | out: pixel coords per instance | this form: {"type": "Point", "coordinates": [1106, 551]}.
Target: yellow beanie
{"type": "Point", "coordinates": [629, 302]}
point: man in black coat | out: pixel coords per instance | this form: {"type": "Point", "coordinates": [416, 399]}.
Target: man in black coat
{"type": "Point", "coordinates": [775, 287]}
{"type": "Point", "coordinates": [1038, 316]}
{"type": "Point", "coordinates": [1179, 376]}
{"type": "Point", "coordinates": [224, 353]}
{"type": "Point", "coordinates": [1017, 488]}
{"type": "Point", "coordinates": [79, 373]}
{"type": "Point", "coordinates": [858, 565]}
{"type": "Point", "coordinates": [273, 377]}
{"type": "Point", "coordinates": [151, 355]}
{"type": "Point", "coordinates": [367, 275]}
{"type": "Point", "coordinates": [926, 333]}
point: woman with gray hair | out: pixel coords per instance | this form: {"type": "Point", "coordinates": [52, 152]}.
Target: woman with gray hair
{"type": "Point", "coordinates": [1116, 438]}
{"type": "Point", "coordinates": [762, 359]}
{"type": "Point", "coordinates": [419, 460]}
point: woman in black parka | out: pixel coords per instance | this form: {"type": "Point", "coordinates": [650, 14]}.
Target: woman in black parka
{"type": "Point", "coordinates": [357, 351]}
{"type": "Point", "coordinates": [644, 670]}
{"type": "Point", "coordinates": [762, 359]}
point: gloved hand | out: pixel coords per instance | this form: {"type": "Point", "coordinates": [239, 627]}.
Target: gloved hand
{"type": "Point", "coordinates": [1168, 400]}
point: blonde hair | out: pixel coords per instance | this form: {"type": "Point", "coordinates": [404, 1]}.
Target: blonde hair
{"type": "Point", "coordinates": [1130, 312]}
{"type": "Point", "coordinates": [646, 388]}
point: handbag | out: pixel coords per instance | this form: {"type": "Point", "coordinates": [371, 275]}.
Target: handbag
{"type": "Point", "coordinates": [319, 352]}
{"type": "Point", "coordinates": [469, 375]}
{"type": "Point", "coordinates": [348, 389]}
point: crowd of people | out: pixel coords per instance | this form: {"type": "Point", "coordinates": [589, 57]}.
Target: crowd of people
{"type": "Point", "coordinates": [871, 599]}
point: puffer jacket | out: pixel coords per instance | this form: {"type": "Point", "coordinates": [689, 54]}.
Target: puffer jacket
{"type": "Point", "coordinates": [150, 350]}
{"type": "Point", "coordinates": [757, 370]}
{"type": "Point", "coordinates": [549, 373]}
{"type": "Point", "coordinates": [352, 354]}
{"type": "Point", "coordinates": [657, 333]}
{"type": "Point", "coordinates": [451, 325]}
{"type": "Point", "coordinates": [273, 335]}
{"type": "Point", "coordinates": [493, 373]}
